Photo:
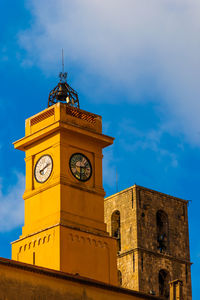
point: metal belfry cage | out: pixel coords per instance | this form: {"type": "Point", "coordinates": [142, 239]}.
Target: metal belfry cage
{"type": "Point", "coordinates": [63, 93]}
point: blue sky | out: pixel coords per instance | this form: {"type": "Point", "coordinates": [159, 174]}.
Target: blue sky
{"type": "Point", "coordinates": [136, 63]}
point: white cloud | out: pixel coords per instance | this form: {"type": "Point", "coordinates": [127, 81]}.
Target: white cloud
{"type": "Point", "coordinates": [12, 205]}
{"type": "Point", "coordinates": [145, 47]}
{"type": "Point", "coordinates": [109, 168]}
{"type": "Point", "coordinates": [146, 140]}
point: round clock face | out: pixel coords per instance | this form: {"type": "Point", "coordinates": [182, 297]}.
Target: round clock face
{"type": "Point", "coordinates": [43, 168]}
{"type": "Point", "coordinates": [80, 167]}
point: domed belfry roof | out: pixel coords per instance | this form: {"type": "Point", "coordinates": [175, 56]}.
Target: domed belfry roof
{"type": "Point", "coordinates": [63, 93]}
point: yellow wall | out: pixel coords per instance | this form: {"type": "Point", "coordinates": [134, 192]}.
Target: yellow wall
{"type": "Point", "coordinates": [24, 282]}
{"type": "Point", "coordinates": [42, 249]}
{"type": "Point", "coordinates": [70, 211]}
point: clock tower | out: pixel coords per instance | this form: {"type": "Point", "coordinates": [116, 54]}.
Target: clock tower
{"type": "Point", "coordinates": [64, 225]}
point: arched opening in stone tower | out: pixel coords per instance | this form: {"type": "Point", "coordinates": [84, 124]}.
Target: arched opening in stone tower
{"type": "Point", "coordinates": [115, 228]}
{"type": "Point", "coordinates": [162, 230]}
{"type": "Point", "coordinates": [164, 279]}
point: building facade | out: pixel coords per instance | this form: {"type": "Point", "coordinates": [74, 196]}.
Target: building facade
{"type": "Point", "coordinates": [151, 229]}
{"type": "Point", "coordinates": [64, 225]}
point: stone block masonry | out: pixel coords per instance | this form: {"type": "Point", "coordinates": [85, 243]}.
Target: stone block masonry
{"type": "Point", "coordinates": [154, 240]}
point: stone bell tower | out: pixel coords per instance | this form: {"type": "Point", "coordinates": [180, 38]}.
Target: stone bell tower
{"type": "Point", "coordinates": [64, 225]}
{"type": "Point", "coordinates": [151, 229]}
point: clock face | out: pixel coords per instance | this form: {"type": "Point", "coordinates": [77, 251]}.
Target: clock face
{"type": "Point", "coordinates": [43, 168]}
{"type": "Point", "coordinates": [80, 167]}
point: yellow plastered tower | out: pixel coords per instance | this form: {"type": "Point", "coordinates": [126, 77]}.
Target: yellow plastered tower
{"type": "Point", "coordinates": [64, 225]}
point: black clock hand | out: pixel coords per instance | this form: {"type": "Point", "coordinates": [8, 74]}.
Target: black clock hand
{"type": "Point", "coordinates": [81, 168]}
{"type": "Point", "coordinates": [44, 168]}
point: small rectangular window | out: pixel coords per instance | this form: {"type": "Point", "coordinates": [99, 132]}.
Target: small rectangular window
{"type": "Point", "coordinates": [184, 212]}
{"type": "Point", "coordinates": [33, 258]}
{"type": "Point", "coordinates": [139, 199]}
{"type": "Point", "coordinates": [142, 262]}
{"type": "Point", "coordinates": [186, 273]}
{"type": "Point", "coordinates": [133, 262]}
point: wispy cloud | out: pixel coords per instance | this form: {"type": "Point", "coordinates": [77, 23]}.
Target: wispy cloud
{"type": "Point", "coordinates": [146, 140]}
{"type": "Point", "coordinates": [109, 168]}
{"type": "Point", "coordinates": [12, 205]}
{"type": "Point", "coordinates": [150, 49]}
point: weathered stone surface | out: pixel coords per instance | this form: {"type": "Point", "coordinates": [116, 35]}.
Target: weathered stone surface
{"type": "Point", "coordinates": [142, 254]}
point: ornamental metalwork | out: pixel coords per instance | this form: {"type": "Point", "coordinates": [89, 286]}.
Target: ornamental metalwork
{"type": "Point", "coordinates": [64, 93]}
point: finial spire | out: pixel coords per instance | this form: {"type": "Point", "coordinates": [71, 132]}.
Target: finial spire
{"type": "Point", "coordinates": [63, 92]}
{"type": "Point", "coordinates": [62, 60]}
{"type": "Point", "coordinates": [63, 75]}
